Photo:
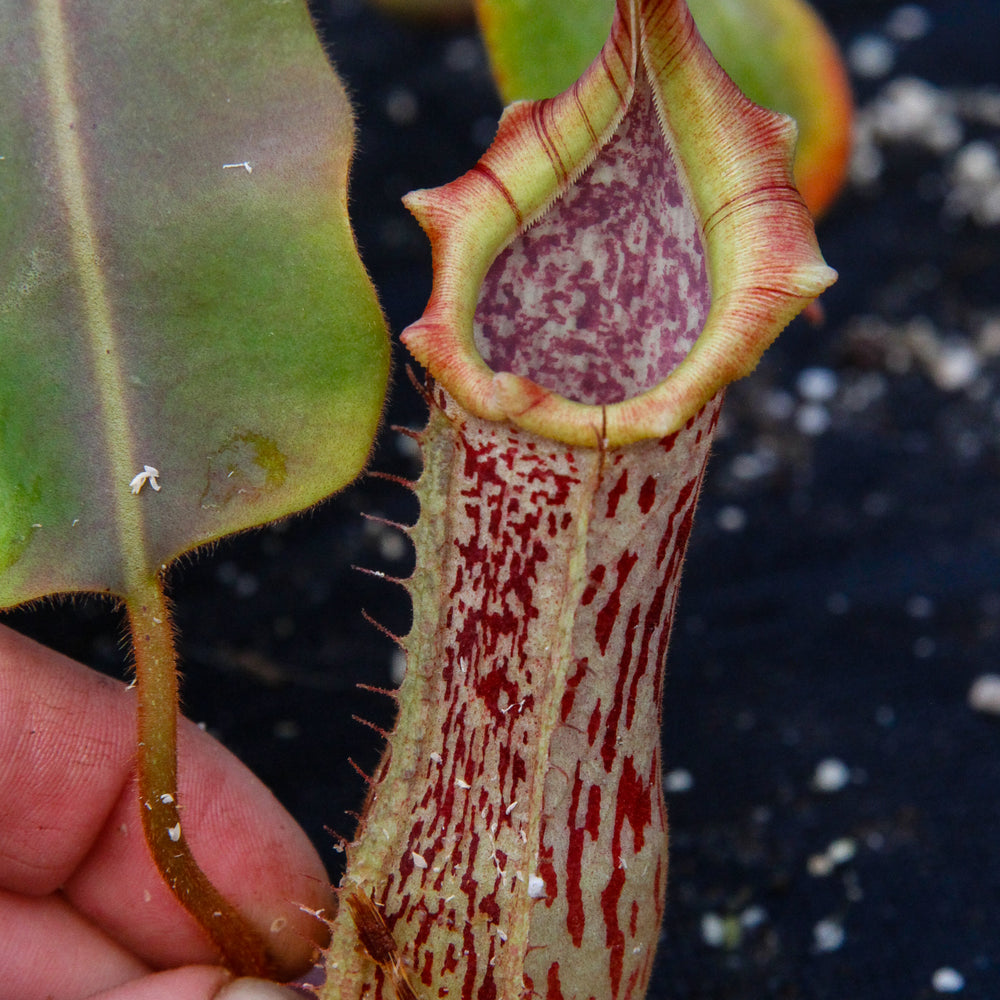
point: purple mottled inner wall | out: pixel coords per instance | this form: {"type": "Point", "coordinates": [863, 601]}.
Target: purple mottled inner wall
{"type": "Point", "coordinates": [606, 294]}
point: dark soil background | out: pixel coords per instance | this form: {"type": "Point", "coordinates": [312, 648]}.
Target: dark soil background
{"type": "Point", "coordinates": [835, 801]}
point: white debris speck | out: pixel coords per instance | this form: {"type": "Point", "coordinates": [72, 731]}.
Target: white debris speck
{"type": "Point", "coordinates": [166, 798]}
{"type": "Point", "coordinates": [871, 56]}
{"type": "Point", "coordinates": [502, 935]}
{"type": "Point", "coordinates": [731, 518]}
{"type": "Point", "coordinates": [148, 475]}
{"type": "Point", "coordinates": [401, 106]}
{"type": "Point", "coordinates": [818, 385]}
{"type": "Point", "coordinates": [947, 980]}
{"type": "Point", "coordinates": [245, 164]}
{"type": "Point", "coordinates": [278, 924]}
{"type": "Point", "coordinates": [831, 775]}
{"type": "Point", "coordinates": [984, 695]}
{"type": "Point", "coordinates": [919, 606]}
{"type": "Point", "coordinates": [867, 161]}
{"type": "Point", "coordinates": [463, 55]}
{"type": "Point", "coordinates": [680, 779]}
{"type": "Point", "coordinates": [510, 808]}
{"type": "Point", "coordinates": [436, 758]}
{"type": "Point", "coordinates": [147, 896]}
{"type": "Point", "coordinates": [912, 110]}
{"type": "Point", "coordinates": [391, 545]}
{"type": "Point", "coordinates": [907, 23]}
{"type": "Point", "coordinates": [828, 935]}
{"type": "Point", "coordinates": [864, 389]}
{"type": "Point", "coordinates": [779, 405]}
{"type": "Point", "coordinates": [754, 465]}
{"type": "Point", "coordinates": [462, 784]}
{"type": "Point", "coordinates": [842, 850]}
{"type": "Point", "coordinates": [397, 668]}
{"type": "Point", "coordinates": [419, 861]}
{"type": "Point", "coordinates": [955, 366]}
{"type": "Point", "coordinates": [819, 865]}
{"type": "Point", "coordinates": [977, 162]}
{"type": "Point", "coordinates": [713, 930]}
{"type": "Point", "coordinates": [975, 183]}
{"type": "Point", "coordinates": [174, 833]}
{"type": "Point", "coordinates": [812, 419]}
{"type": "Point", "coordinates": [536, 887]}
{"type": "Point", "coordinates": [839, 852]}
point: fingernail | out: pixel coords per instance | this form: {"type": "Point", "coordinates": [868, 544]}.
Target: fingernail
{"type": "Point", "coordinates": [256, 989]}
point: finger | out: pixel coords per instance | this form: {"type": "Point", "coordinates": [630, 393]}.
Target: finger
{"type": "Point", "coordinates": [49, 950]}
{"type": "Point", "coordinates": [198, 983]}
{"type": "Point", "coordinates": [69, 816]}
{"type": "Point", "coordinates": [194, 982]}
{"type": "Point", "coordinates": [66, 747]}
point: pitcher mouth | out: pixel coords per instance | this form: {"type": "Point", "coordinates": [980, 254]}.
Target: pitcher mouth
{"type": "Point", "coordinates": [622, 251]}
{"type": "Point", "coordinates": [606, 294]}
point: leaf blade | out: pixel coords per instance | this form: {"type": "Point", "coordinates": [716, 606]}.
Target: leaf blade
{"type": "Point", "coordinates": [212, 225]}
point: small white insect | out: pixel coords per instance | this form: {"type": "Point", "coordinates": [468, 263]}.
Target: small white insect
{"type": "Point", "coordinates": [148, 475]}
{"type": "Point", "coordinates": [174, 833]}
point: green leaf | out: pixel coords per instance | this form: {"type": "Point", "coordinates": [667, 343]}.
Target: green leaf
{"type": "Point", "coordinates": [778, 52]}
{"type": "Point", "coordinates": [179, 284]}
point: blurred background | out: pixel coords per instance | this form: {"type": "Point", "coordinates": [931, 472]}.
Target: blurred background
{"type": "Point", "coordinates": [832, 735]}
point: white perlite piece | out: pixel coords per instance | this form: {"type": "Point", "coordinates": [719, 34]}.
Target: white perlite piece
{"type": "Point", "coordinates": [947, 980]}
{"type": "Point", "coordinates": [828, 935]}
{"type": "Point", "coordinates": [831, 775]}
{"type": "Point", "coordinates": [536, 887]}
{"type": "Point", "coordinates": [839, 852]}
{"type": "Point", "coordinates": [680, 779]}
{"type": "Point", "coordinates": [984, 695]}
{"type": "Point", "coordinates": [713, 930]}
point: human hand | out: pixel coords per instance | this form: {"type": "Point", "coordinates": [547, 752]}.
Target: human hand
{"type": "Point", "coordinates": [83, 911]}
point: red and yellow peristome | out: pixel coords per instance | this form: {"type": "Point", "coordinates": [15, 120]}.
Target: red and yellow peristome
{"type": "Point", "coordinates": [619, 255]}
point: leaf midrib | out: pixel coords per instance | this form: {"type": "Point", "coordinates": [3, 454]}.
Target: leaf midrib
{"type": "Point", "coordinates": [98, 320]}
